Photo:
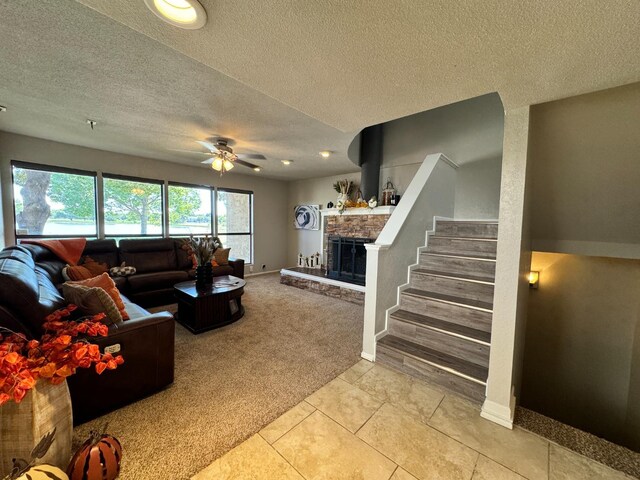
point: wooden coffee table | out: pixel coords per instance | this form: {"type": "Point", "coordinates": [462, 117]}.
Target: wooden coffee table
{"type": "Point", "coordinates": [202, 309]}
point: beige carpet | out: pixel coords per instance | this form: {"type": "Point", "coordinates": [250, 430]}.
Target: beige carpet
{"type": "Point", "coordinates": [231, 382]}
{"type": "Point", "coordinates": [591, 446]}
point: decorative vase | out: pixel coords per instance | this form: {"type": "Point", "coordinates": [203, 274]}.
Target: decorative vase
{"type": "Point", "coordinates": [342, 198]}
{"type": "Point", "coordinates": [23, 424]}
{"type": "Point", "coordinates": [204, 275]}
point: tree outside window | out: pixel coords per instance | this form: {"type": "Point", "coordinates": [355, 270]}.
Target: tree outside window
{"type": "Point", "coordinates": [189, 210]}
{"type": "Point", "coordinates": [54, 203]}
{"type": "Point", "coordinates": [132, 207]}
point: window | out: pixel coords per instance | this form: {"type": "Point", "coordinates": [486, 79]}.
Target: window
{"type": "Point", "coordinates": [234, 222]}
{"type": "Point", "coordinates": [189, 210]}
{"type": "Point", "coordinates": [53, 202]}
{"type": "Point", "coordinates": [132, 207]}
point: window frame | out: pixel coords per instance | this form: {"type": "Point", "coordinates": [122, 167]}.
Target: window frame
{"type": "Point", "coordinates": [229, 234]}
{"type": "Point", "coordinates": [52, 169]}
{"type": "Point", "coordinates": [212, 199]}
{"type": "Point", "coordinates": [163, 203]}
{"type": "Point", "coordinates": [99, 203]}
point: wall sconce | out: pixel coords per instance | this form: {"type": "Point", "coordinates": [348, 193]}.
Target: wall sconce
{"type": "Point", "coordinates": [534, 277]}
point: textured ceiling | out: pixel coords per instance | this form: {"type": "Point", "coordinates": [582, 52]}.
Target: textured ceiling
{"type": "Point", "coordinates": [356, 63]}
{"type": "Point", "coordinates": [289, 78]}
{"type": "Point", "coordinates": [62, 63]}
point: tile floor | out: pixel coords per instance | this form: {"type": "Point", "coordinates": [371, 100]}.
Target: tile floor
{"type": "Point", "coordinates": [373, 423]}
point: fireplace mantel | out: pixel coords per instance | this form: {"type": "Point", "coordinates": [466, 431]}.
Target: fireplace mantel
{"type": "Point", "coordinates": [384, 210]}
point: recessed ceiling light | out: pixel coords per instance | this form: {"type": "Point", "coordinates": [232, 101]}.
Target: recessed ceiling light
{"type": "Point", "coordinates": [189, 14]}
{"type": "Point", "coordinates": [325, 153]}
{"type": "Point", "coordinates": [257, 169]}
{"type": "Point", "coordinates": [286, 162]}
{"type": "Point", "coordinates": [3, 108]}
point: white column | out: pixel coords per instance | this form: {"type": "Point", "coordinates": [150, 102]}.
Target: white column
{"type": "Point", "coordinates": [373, 311]}
{"type": "Point", "coordinates": [512, 267]}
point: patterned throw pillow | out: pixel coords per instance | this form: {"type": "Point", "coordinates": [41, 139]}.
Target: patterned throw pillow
{"type": "Point", "coordinates": [221, 256]}
{"type": "Point", "coordinates": [122, 271]}
{"type": "Point", "coordinates": [92, 300]}
{"type": "Point", "coordinates": [105, 282]}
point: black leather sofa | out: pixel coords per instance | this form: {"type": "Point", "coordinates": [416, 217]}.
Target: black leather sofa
{"type": "Point", "coordinates": [160, 263]}
{"type": "Point", "coordinates": [30, 278]}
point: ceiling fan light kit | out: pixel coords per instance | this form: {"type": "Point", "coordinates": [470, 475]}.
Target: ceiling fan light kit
{"type": "Point", "coordinates": [221, 165]}
{"type": "Point", "coordinates": [223, 159]}
{"type": "Point", "coordinates": [188, 14]}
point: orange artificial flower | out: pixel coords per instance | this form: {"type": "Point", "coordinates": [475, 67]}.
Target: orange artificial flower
{"type": "Point", "coordinates": [54, 357]}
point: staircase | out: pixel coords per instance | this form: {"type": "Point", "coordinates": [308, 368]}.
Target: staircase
{"type": "Point", "coordinates": [441, 329]}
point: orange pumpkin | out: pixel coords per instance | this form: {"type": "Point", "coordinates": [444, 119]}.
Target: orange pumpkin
{"type": "Point", "coordinates": [97, 459]}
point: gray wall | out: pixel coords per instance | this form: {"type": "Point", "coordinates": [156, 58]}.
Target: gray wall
{"type": "Point", "coordinates": [585, 174]}
{"type": "Point", "coordinates": [470, 133]}
{"type": "Point", "coordinates": [270, 196]}
{"type": "Point", "coordinates": [582, 351]}
{"type": "Point", "coordinates": [315, 191]}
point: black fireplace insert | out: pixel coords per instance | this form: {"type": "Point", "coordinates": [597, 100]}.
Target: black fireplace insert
{"type": "Point", "coordinates": [347, 259]}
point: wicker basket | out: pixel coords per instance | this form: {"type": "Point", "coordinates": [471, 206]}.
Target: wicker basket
{"type": "Point", "coordinates": [23, 424]}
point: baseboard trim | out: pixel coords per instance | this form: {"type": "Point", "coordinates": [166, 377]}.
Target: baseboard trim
{"type": "Point", "coordinates": [368, 356]}
{"type": "Point", "coordinates": [498, 413]}
{"type": "Point", "coordinates": [260, 273]}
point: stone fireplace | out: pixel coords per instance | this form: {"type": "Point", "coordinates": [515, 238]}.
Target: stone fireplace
{"type": "Point", "coordinates": [347, 259]}
{"type": "Point", "coordinates": [346, 232]}
{"type": "Point", "coordinates": [361, 224]}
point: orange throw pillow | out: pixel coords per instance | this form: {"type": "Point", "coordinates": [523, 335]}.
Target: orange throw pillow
{"type": "Point", "coordinates": [105, 282]}
{"type": "Point", "coordinates": [77, 272]}
{"type": "Point", "coordinates": [96, 268]}
{"type": "Point", "coordinates": [221, 256]}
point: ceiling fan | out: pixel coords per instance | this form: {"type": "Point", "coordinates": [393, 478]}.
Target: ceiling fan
{"type": "Point", "coordinates": [223, 158]}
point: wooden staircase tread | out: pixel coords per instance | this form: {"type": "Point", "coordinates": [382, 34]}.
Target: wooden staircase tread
{"type": "Point", "coordinates": [458, 276]}
{"type": "Point", "coordinates": [436, 358]}
{"type": "Point", "coordinates": [473, 222]}
{"type": "Point", "coordinates": [473, 239]}
{"type": "Point", "coordinates": [476, 255]}
{"type": "Point", "coordinates": [459, 255]}
{"type": "Point", "coordinates": [449, 298]}
{"type": "Point", "coordinates": [442, 325]}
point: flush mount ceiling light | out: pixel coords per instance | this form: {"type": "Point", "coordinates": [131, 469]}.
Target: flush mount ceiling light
{"type": "Point", "coordinates": [286, 162]}
{"type": "Point", "coordinates": [187, 14]}
{"type": "Point", "coordinates": [325, 153]}
{"type": "Point", "coordinates": [257, 169]}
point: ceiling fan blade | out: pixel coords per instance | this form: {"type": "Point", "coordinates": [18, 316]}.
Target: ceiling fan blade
{"type": "Point", "coordinates": [208, 145]}
{"type": "Point", "coordinates": [208, 161]}
{"type": "Point", "coordinates": [246, 164]}
{"type": "Point", "coordinates": [251, 156]}
{"type": "Point", "coordinates": [189, 151]}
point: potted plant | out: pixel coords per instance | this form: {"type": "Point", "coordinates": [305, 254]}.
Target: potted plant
{"type": "Point", "coordinates": [34, 396]}
{"type": "Point", "coordinates": [343, 187]}
{"type": "Point", "coordinates": [202, 250]}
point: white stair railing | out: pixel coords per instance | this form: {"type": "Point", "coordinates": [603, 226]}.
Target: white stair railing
{"type": "Point", "coordinates": [431, 193]}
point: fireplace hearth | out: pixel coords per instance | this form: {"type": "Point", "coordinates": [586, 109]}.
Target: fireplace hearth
{"type": "Point", "coordinates": [347, 259]}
